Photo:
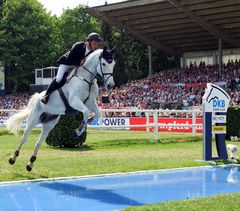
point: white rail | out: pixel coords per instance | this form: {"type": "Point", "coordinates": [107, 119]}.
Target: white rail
{"type": "Point", "coordinates": [148, 113]}
{"type": "Point", "coordinates": [155, 124]}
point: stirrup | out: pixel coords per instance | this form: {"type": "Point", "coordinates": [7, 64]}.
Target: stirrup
{"type": "Point", "coordinates": [79, 131]}
{"type": "Point", "coordinates": [45, 99]}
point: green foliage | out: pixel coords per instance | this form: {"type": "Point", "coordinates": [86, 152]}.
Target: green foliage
{"type": "Point", "coordinates": [233, 123]}
{"type": "Point", "coordinates": [136, 54]}
{"type": "Point", "coordinates": [27, 38]}
{"type": "Point", "coordinates": [75, 25]}
{"type": "Point", "coordinates": [1, 4]}
{"type": "Point", "coordinates": [62, 134]}
{"type": "Point", "coordinates": [131, 56]}
{"type": "Point", "coordinates": [107, 34]}
{"type": "Point", "coordinates": [161, 60]}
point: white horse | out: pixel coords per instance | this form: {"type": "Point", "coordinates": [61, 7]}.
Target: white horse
{"type": "Point", "coordinates": [80, 91]}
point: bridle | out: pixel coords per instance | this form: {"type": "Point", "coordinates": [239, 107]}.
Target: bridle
{"type": "Point", "coordinates": [93, 76]}
{"type": "Point", "coordinates": [95, 72]}
{"type": "Point", "coordinates": [104, 74]}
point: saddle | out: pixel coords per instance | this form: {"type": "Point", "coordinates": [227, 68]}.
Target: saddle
{"type": "Point", "coordinates": [69, 110]}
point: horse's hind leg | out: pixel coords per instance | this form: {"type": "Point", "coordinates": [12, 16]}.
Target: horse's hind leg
{"type": "Point", "coordinates": [46, 128]}
{"type": "Point", "coordinates": [27, 130]}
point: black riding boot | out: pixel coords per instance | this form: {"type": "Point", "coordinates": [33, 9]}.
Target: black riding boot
{"type": "Point", "coordinates": [52, 87]}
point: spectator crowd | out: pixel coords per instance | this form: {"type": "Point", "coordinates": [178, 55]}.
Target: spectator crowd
{"type": "Point", "coordinates": [180, 86]}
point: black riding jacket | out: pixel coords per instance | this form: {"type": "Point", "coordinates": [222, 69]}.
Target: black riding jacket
{"type": "Point", "coordinates": [74, 56]}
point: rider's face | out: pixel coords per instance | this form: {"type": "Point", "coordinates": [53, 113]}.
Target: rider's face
{"type": "Point", "coordinates": [94, 45]}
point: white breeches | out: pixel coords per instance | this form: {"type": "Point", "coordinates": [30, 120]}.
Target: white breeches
{"type": "Point", "coordinates": [62, 70]}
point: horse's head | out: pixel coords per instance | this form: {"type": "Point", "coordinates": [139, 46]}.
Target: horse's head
{"type": "Point", "coordinates": [101, 62]}
{"type": "Point", "coordinates": [105, 67]}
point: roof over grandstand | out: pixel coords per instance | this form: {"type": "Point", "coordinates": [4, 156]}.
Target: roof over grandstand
{"type": "Point", "coordinates": [176, 26]}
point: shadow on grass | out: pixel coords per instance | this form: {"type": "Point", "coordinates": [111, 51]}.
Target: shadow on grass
{"type": "Point", "coordinates": [189, 139]}
{"type": "Point", "coordinates": [5, 133]}
{"type": "Point", "coordinates": [144, 141]}
{"type": "Point", "coordinates": [74, 149]}
{"type": "Point", "coordinates": [124, 142]}
{"type": "Point", "coordinates": [129, 142]}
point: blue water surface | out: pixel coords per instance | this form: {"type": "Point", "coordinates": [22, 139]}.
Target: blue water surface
{"type": "Point", "coordinates": [115, 192]}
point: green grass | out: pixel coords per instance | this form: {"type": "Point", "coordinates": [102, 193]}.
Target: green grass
{"type": "Point", "coordinates": [106, 152]}
{"type": "Point", "coordinates": [223, 202]}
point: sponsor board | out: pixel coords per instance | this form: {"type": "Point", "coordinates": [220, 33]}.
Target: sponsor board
{"type": "Point", "coordinates": [215, 99]}
{"type": "Point", "coordinates": [219, 118]}
{"type": "Point", "coordinates": [168, 124]}
{"type": "Point", "coordinates": [113, 121]}
{"type": "Point", "coordinates": [219, 129]}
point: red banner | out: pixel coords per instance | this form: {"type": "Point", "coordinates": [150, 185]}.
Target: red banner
{"type": "Point", "coordinates": [187, 85]}
{"type": "Point", "coordinates": [195, 85]}
{"type": "Point", "coordinates": [168, 121]}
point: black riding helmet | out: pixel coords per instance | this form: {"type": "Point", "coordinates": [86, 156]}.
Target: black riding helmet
{"type": "Point", "coordinates": [94, 36]}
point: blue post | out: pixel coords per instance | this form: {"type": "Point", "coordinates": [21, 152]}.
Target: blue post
{"type": "Point", "coordinates": [215, 104]}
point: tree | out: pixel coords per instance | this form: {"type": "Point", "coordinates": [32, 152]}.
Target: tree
{"type": "Point", "coordinates": [75, 25]}
{"type": "Point", "coordinates": [28, 40]}
{"type": "Point", "coordinates": [161, 60]}
{"type": "Point", "coordinates": [131, 56]}
{"type": "Point", "coordinates": [1, 4]}
{"type": "Point", "coordinates": [107, 34]}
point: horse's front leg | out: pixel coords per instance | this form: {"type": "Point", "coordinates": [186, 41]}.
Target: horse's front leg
{"type": "Point", "coordinates": [77, 104]}
{"type": "Point", "coordinates": [93, 107]}
{"type": "Point", "coordinates": [95, 113]}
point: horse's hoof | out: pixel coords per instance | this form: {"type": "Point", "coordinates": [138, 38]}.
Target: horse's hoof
{"type": "Point", "coordinates": [11, 161]}
{"type": "Point", "coordinates": [28, 167]}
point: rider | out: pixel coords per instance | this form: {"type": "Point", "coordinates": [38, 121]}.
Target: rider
{"type": "Point", "coordinates": [73, 58]}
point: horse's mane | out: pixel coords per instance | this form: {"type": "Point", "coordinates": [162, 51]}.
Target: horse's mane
{"type": "Point", "coordinates": [94, 53]}
{"type": "Point", "coordinates": [106, 54]}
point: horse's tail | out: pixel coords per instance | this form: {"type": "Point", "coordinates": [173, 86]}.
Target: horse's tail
{"type": "Point", "coordinates": [14, 122]}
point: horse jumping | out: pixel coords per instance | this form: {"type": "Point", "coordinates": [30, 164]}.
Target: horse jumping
{"type": "Point", "coordinates": [80, 91]}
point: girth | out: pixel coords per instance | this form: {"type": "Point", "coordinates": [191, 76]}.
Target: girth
{"type": "Point", "coordinates": [69, 109]}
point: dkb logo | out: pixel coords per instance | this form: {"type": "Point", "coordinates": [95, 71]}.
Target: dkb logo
{"type": "Point", "coordinates": [218, 103]}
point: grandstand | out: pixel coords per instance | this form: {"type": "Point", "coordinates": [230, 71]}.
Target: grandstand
{"type": "Point", "coordinates": [192, 29]}
{"type": "Point", "coordinates": [203, 33]}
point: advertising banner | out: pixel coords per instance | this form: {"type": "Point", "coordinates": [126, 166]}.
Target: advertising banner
{"type": "Point", "coordinates": [168, 122]}
{"type": "Point", "coordinates": [113, 121]}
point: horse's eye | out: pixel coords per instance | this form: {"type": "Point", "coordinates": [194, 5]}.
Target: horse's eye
{"type": "Point", "coordinates": [103, 64]}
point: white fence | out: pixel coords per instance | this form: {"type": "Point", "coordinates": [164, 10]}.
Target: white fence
{"type": "Point", "coordinates": [148, 113]}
